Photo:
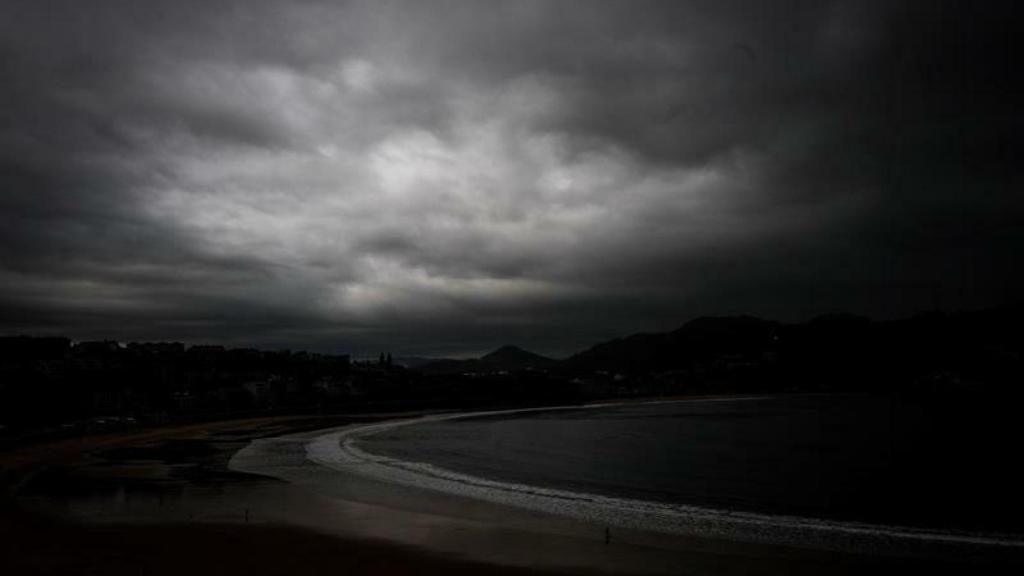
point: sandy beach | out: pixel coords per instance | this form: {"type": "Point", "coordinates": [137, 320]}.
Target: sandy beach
{"type": "Point", "coordinates": [165, 501]}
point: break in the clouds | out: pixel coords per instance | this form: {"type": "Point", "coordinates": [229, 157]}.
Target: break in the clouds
{"type": "Point", "coordinates": [444, 176]}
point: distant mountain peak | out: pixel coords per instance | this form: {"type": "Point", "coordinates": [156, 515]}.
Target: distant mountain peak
{"type": "Point", "coordinates": [506, 349]}
{"type": "Point", "coordinates": [510, 356]}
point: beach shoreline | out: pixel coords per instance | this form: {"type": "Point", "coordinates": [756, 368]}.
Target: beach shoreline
{"type": "Point", "coordinates": [165, 510]}
{"type": "Point", "coordinates": [343, 450]}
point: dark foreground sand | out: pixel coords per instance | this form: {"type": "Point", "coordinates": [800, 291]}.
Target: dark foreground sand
{"type": "Point", "coordinates": [165, 502]}
{"type": "Point", "coordinates": [34, 545]}
{"type": "Point", "coordinates": [50, 522]}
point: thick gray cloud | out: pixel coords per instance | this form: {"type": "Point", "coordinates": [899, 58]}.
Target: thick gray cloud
{"type": "Point", "coordinates": [445, 176]}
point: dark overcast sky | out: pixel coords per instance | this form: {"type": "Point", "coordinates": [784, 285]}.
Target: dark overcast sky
{"type": "Point", "coordinates": [440, 177]}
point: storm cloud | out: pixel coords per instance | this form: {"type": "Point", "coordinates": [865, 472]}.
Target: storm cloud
{"type": "Point", "coordinates": [444, 176]}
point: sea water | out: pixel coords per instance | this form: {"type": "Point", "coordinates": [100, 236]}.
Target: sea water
{"type": "Point", "coordinates": [788, 468]}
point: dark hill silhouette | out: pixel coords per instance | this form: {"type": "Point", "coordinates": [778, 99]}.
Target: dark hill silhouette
{"type": "Point", "coordinates": [515, 358]}
{"type": "Point", "coordinates": [505, 358]}
{"type": "Point", "coordinates": [978, 351]}
{"type": "Point", "coordinates": [702, 339]}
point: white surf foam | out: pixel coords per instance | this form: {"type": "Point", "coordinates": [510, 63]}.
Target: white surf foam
{"type": "Point", "coordinates": [340, 450]}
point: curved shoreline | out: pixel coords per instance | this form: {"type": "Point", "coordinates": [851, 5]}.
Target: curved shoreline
{"type": "Point", "coordinates": [338, 450]}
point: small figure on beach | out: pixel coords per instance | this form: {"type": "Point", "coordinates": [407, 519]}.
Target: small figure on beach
{"type": "Point", "coordinates": [607, 535]}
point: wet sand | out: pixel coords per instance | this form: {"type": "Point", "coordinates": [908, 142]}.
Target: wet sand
{"type": "Point", "coordinates": [164, 502]}
{"type": "Point", "coordinates": [158, 501]}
